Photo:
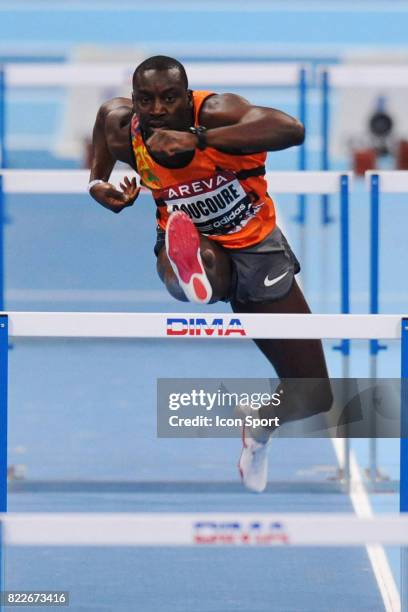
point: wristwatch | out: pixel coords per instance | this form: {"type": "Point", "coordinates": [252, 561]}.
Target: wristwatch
{"type": "Point", "coordinates": [201, 132]}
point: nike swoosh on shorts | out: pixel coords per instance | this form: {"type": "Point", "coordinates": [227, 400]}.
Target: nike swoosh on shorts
{"type": "Point", "coordinates": [269, 283]}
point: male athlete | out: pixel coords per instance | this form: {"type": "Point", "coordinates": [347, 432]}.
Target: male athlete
{"type": "Point", "coordinates": [203, 155]}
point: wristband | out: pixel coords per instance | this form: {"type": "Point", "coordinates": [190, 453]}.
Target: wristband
{"type": "Point", "coordinates": [201, 132]}
{"type": "Point", "coordinates": [93, 183]}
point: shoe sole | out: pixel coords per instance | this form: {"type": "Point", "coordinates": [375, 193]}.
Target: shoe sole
{"type": "Point", "coordinates": [183, 251]}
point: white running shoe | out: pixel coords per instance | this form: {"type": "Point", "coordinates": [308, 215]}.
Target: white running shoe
{"type": "Point", "coordinates": [253, 462]}
{"type": "Point", "coordinates": [183, 251]}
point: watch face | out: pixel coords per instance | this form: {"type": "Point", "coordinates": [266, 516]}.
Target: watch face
{"type": "Point", "coordinates": [200, 131]}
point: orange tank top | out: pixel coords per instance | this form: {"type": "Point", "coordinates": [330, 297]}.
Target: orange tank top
{"type": "Point", "coordinates": [224, 195]}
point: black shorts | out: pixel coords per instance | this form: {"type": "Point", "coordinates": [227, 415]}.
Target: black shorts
{"type": "Point", "coordinates": [265, 271]}
{"type": "Point", "coordinates": [260, 273]}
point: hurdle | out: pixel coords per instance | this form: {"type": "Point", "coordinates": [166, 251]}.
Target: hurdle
{"type": "Point", "coordinates": [15, 325]}
{"type": "Point", "coordinates": [202, 529]}
{"type": "Point", "coordinates": [378, 182]}
{"type": "Point", "coordinates": [287, 182]}
{"type": "Point", "coordinates": [297, 182]}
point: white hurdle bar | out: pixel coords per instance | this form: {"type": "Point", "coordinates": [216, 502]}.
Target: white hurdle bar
{"type": "Point", "coordinates": [208, 326]}
{"type": "Point", "coordinates": [201, 529]}
{"type": "Point", "coordinates": [390, 181]}
{"type": "Point", "coordinates": [367, 75]}
{"type": "Point", "coordinates": [76, 181]}
{"type": "Point", "coordinates": [199, 325]}
{"type": "Point", "coordinates": [118, 74]}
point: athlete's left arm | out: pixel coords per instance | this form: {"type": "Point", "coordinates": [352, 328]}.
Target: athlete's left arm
{"type": "Point", "coordinates": [235, 125]}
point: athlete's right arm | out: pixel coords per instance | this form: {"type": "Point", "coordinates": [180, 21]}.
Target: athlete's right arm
{"type": "Point", "coordinates": [102, 165]}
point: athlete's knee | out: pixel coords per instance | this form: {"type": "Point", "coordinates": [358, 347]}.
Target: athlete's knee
{"type": "Point", "coordinates": [176, 291]}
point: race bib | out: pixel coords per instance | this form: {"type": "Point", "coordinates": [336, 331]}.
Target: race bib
{"type": "Point", "coordinates": [217, 204]}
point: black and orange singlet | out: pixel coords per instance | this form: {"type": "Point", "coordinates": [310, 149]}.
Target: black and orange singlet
{"type": "Point", "coordinates": [224, 195]}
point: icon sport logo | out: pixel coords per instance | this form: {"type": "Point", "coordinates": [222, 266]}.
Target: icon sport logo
{"type": "Point", "coordinates": [177, 326]}
{"type": "Point", "coordinates": [213, 533]}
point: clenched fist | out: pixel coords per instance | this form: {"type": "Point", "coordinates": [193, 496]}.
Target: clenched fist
{"type": "Point", "coordinates": [170, 142]}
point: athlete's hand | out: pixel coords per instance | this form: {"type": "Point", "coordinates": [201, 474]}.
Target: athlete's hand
{"type": "Point", "coordinates": [170, 142]}
{"type": "Point", "coordinates": [113, 199]}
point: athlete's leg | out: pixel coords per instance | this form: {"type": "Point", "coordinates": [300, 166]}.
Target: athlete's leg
{"type": "Point", "coordinates": [217, 266]}
{"type": "Point", "coordinates": [294, 359]}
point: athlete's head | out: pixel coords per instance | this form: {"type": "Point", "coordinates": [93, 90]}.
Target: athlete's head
{"type": "Point", "coordinates": [161, 98]}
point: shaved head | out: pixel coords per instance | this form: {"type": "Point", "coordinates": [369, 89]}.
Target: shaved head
{"type": "Point", "coordinates": [160, 63]}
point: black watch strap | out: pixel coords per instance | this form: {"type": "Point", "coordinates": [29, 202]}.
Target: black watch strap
{"type": "Point", "coordinates": [201, 132]}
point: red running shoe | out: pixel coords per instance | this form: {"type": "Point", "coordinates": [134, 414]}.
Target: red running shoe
{"type": "Point", "coordinates": [183, 251]}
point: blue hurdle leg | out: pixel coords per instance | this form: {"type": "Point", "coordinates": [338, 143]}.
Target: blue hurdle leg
{"type": "Point", "coordinates": [3, 431]}
{"type": "Point", "coordinates": [404, 456]}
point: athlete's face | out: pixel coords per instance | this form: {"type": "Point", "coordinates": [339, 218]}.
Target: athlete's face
{"type": "Point", "coordinates": [161, 100]}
